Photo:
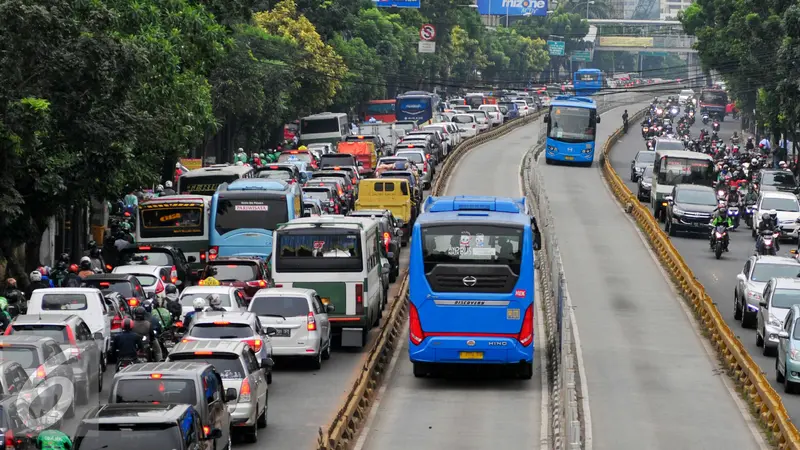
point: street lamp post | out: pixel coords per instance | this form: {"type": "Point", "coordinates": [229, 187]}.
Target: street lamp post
{"type": "Point", "coordinates": [589, 2]}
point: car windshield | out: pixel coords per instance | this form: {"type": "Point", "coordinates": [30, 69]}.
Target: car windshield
{"type": "Point", "coordinates": [64, 302]}
{"type": "Point", "coordinates": [228, 365]}
{"type": "Point", "coordinates": [279, 306]}
{"type": "Point", "coordinates": [696, 197]}
{"type": "Point", "coordinates": [123, 287]}
{"type": "Point", "coordinates": [785, 298]}
{"type": "Point", "coordinates": [646, 157]}
{"type": "Point", "coordinates": [782, 179]}
{"type": "Point", "coordinates": [187, 299]}
{"type": "Point", "coordinates": [148, 390]}
{"type": "Point", "coordinates": [319, 194]}
{"type": "Point", "coordinates": [229, 271]}
{"type": "Point", "coordinates": [27, 357]}
{"type": "Point", "coordinates": [569, 124]}
{"type": "Point", "coordinates": [128, 437]}
{"type": "Point", "coordinates": [669, 145]}
{"type": "Point", "coordinates": [780, 204]}
{"type": "Point", "coordinates": [221, 330]}
{"type": "Point", "coordinates": [675, 170]}
{"type": "Point", "coordinates": [687, 92]}
{"type": "Point", "coordinates": [648, 173]}
{"type": "Point", "coordinates": [144, 257]}
{"type": "Point", "coordinates": [55, 332]}
{"type": "Point", "coordinates": [763, 272]}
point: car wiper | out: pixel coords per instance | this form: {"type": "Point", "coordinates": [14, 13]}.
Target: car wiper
{"type": "Point", "coordinates": [273, 315]}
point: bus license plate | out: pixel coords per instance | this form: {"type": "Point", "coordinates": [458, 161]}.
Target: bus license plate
{"type": "Point", "coordinates": [471, 355]}
{"type": "Point", "coordinates": [569, 158]}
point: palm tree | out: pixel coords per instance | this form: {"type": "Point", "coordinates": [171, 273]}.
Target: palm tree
{"type": "Point", "coordinates": [597, 9]}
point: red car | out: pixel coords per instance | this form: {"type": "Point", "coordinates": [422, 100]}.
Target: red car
{"type": "Point", "coordinates": [248, 273]}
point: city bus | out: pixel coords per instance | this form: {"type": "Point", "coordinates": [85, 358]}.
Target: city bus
{"type": "Point", "coordinates": [471, 284]}
{"type": "Point", "coordinates": [571, 125]}
{"type": "Point", "coordinates": [380, 110]}
{"type": "Point", "coordinates": [673, 167]}
{"type": "Point", "coordinates": [714, 102]}
{"type": "Point", "coordinates": [246, 212]}
{"type": "Point", "coordinates": [418, 106]}
{"type": "Point", "coordinates": [324, 127]}
{"type": "Point", "coordinates": [587, 81]}
{"type": "Point", "coordinates": [178, 220]}
{"type": "Point", "coordinates": [206, 180]}
{"type": "Point", "coordinates": [340, 258]}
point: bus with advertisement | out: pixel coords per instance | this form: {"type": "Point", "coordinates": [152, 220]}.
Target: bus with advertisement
{"type": "Point", "coordinates": [587, 81]}
{"type": "Point", "coordinates": [471, 284]}
{"type": "Point", "coordinates": [714, 102]}
{"type": "Point", "coordinates": [380, 110]}
{"type": "Point", "coordinates": [418, 106]}
{"type": "Point", "coordinates": [206, 180]}
{"type": "Point", "coordinates": [245, 213]}
{"type": "Point", "coordinates": [178, 220]}
{"type": "Point", "coordinates": [571, 130]}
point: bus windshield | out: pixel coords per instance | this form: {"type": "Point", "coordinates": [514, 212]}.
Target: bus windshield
{"type": "Point", "coordinates": [206, 185]}
{"type": "Point", "coordinates": [380, 108]}
{"type": "Point", "coordinates": [570, 124]}
{"type": "Point", "coordinates": [685, 171]}
{"type": "Point", "coordinates": [265, 214]}
{"type": "Point", "coordinates": [316, 126]}
{"type": "Point", "coordinates": [472, 244]}
{"type": "Point", "coordinates": [171, 221]}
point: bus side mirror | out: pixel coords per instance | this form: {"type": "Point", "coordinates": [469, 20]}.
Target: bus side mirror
{"type": "Point", "coordinates": [598, 119]}
{"type": "Point", "coordinates": [547, 118]}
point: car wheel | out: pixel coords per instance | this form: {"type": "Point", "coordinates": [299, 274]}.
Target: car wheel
{"type": "Point", "coordinates": [760, 341]}
{"type": "Point", "coordinates": [778, 375]}
{"type": "Point", "coordinates": [251, 434]}
{"type": "Point", "coordinates": [82, 393]}
{"type": "Point", "coordinates": [103, 361]}
{"type": "Point", "coordinates": [229, 445]}
{"type": "Point", "coordinates": [788, 386]}
{"type": "Point", "coordinates": [70, 412]}
{"type": "Point", "coordinates": [737, 310]}
{"type": "Point", "coordinates": [326, 354]}
{"type": "Point", "coordinates": [269, 377]}
{"type": "Point", "coordinates": [747, 319]}
{"type": "Point", "coordinates": [316, 360]}
{"type": "Point", "coordinates": [262, 419]}
{"type": "Point", "coordinates": [420, 371]}
{"type": "Point", "coordinates": [100, 382]}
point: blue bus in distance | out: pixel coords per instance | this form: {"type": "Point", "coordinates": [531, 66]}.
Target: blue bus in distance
{"type": "Point", "coordinates": [587, 81]}
{"type": "Point", "coordinates": [571, 129]}
{"type": "Point", "coordinates": [471, 284]}
{"type": "Point", "coordinates": [418, 106]}
{"type": "Point", "coordinates": [245, 212]}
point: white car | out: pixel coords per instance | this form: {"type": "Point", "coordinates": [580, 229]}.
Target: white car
{"type": "Point", "coordinates": [482, 117]}
{"type": "Point", "coordinates": [788, 208]}
{"type": "Point", "coordinates": [300, 320]}
{"type": "Point", "coordinates": [461, 108]}
{"type": "Point", "coordinates": [523, 107]}
{"type": "Point", "coordinates": [467, 125]}
{"type": "Point", "coordinates": [684, 95]}
{"type": "Point", "coordinates": [450, 133]}
{"type": "Point", "coordinates": [494, 113]}
{"type": "Point", "coordinates": [232, 298]}
{"type": "Point", "coordinates": [153, 278]}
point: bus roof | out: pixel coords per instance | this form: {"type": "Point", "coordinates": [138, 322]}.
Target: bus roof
{"type": "Point", "coordinates": [255, 184]}
{"type": "Point", "coordinates": [329, 220]}
{"type": "Point", "coordinates": [588, 70]}
{"type": "Point", "coordinates": [324, 115]}
{"type": "Point", "coordinates": [469, 207]}
{"type": "Point", "coordinates": [573, 101]}
{"type": "Point", "coordinates": [684, 154]}
{"type": "Point", "coordinates": [185, 198]}
{"type": "Point", "coordinates": [217, 169]}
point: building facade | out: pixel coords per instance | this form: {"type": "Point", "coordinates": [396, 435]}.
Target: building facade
{"type": "Point", "coordinates": [670, 8]}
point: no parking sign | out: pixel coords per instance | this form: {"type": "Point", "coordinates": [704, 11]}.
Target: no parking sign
{"type": "Point", "coordinates": [427, 32]}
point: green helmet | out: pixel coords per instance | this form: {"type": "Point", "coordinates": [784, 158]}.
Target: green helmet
{"type": "Point", "coordinates": [125, 226]}
{"type": "Point", "coordinates": [261, 155]}
{"type": "Point", "coordinates": [3, 303]}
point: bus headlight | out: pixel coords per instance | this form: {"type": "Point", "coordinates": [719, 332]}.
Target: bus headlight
{"type": "Point", "coordinates": [551, 149]}
{"type": "Point", "coordinates": [587, 150]}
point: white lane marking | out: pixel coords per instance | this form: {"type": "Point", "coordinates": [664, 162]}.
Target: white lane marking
{"type": "Point", "coordinates": [714, 276]}
{"type": "Point", "coordinates": [744, 409]}
{"type": "Point", "coordinates": [373, 412]}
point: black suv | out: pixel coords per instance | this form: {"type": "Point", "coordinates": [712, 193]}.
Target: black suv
{"type": "Point", "coordinates": [125, 284]}
{"type": "Point", "coordinates": [690, 208]}
{"type": "Point", "coordinates": [391, 236]}
{"type": "Point", "coordinates": [777, 180]}
{"type": "Point", "coordinates": [163, 255]}
{"type": "Point", "coordinates": [289, 173]}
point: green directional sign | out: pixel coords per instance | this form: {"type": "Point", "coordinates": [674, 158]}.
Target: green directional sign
{"type": "Point", "coordinates": [581, 55]}
{"type": "Point", "coordinates": [556, 48]}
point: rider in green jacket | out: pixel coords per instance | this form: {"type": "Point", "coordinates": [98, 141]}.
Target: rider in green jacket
{"type": "Point", "coordinates": [53, 440]}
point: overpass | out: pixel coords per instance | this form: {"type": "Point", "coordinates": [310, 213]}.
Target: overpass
{"type": "Point", "coordinates": [606, 48]}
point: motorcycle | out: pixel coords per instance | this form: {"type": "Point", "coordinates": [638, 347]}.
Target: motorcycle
{"type": "Point", "coordinates": [645, 131]}
{"type": "Point", "coordinates": [766, 242]}
{"type": "Point", "coordinates": [749, 210]}
{"type": "Point", "coordinates": [733, 213]}
{"type": "Point", "coordinates": [705, 119]}
{"type": "Point", "coordinates": [715, 126]}
{"type": "Point", "coordinates": [719, 240]}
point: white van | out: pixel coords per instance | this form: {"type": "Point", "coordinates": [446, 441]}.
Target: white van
{"type": "Point", "coordinates": [86, 303]}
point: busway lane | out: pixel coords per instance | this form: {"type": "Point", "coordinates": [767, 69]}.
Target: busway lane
{"type": "Point", "coordinates": [300, 399]}
{"type": "Point", "coordinates": [651, 383]}
{"type": "Point", "coordinates": [718, 276]}
{"type": "Point", "coordinates": [471, 411]}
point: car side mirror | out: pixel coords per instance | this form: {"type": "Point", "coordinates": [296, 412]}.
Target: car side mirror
{"type": "Point", "coordinates": [98, 336]}
{"type": "Point", "coordinates": [230, 395]}
{"type": "Point", "coordinates": [151, 295]}
{"type": "Point", "coordinates": [547, 118]}
{"type": "Point", "coordinates": [668, 199]}
{"type": "Point", "coordinates": [633, 161]}
{"type": "Point", "coordinates": [271, 331]}
{"type": "Point", "coordinates": [360, 164]}
{"type": "Point", "coordinates": [783, 334]}
{"type": "Point", "coordinates": [267, 363]}
{"type": "Point", "coordinates": [215, 433]}
{"type": "Point", "coordinates": [762, 303]}
{"type": "Point", "coordinates": [192, 259]}
{"type": "Point", "coordinates": [330, 308]}
{"type": "Point", "coordinates": [740, 277]}
{"type": "Point", "coordinates": [598, 119]}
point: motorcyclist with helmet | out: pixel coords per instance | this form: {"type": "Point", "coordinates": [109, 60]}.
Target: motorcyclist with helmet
{"type": "Point", "coordinates": [73, 279]}
{"type": "Point", "coordinates": [144, 327]}
{"type": "Point", "coordinates": [172, 304]}
{"type": "Point", "coordinates": [95, 255]}
{"type": "Point", "coordinates": [53, 440]}
{"type": "Point", "coordinates": [199, 305]}
{"type": "Point", "coordinates": [128, 342]}
{"type": "Point", "coordinates": [86, 267]}
{"type": "Point", "coordinates": [168, 189]}
{"type": "Point", "coordinates": [215, 303]}
{"type": "Point", "coordinates": [769, 222]}
{"type": "Point", "coordinates": [36, 283]}
{"type": "Point", "coordinates": [15, 296]}
{"type": "Point", "coordinates": [721, 217]}
{"type": "Point", "coordinates": [59, 274]}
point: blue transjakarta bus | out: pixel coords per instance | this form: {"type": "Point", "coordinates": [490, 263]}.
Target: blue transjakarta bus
{"type": "Point", "coordinates": [471, 284]}
{"type": "Point", "coordinates": [246, 212]}
{"type": "Point", "coordinates": [587, 81]}
{"type": "Point", "coordinates": [571, 129]}
{"type": "Point", "coordinates": [418, 106]}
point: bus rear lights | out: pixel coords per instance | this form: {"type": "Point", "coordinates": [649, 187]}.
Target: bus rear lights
{"type": "Point", "coordinates": [415, 332]}
{"type": "Point", "coordinates": [526, 333]}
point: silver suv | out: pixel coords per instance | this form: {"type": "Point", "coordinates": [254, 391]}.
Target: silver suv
{"type": "Point", "coordinates": [776, 300]}
{"type": "Point", "coordinates": [750, 284]}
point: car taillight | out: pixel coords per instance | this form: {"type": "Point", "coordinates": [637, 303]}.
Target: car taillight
{"type": "Point", "coordinates": [116, 323]}
{"type": "Point", "coordinates": [173, 275]}
{"type": "Point", "coordinates": [244, 392]}
{"type": "Point", "coordinates": [526, 333]}
{"type": "Point", "coordinates": [71, 338]}
{"type": "Point", "coordinates": [8, 331]}
{"type": "Point", "coordinates": [387, 239]}
{"type": "Point", "coordinates": [359, 299]}
{"type": "Point", "coordinates": [213, 252]}
{"type": "Point", "coordinates": [40, 372]}
{"type": "Point", "coordinates": [159, 287]}
{"type": "Point", "coordinates": [258, 283]}
{"type": "Point", "coordinates": [202, 255]}
{"type": "Point", "coordinates": [206, 430]}
{"type": "Point", "coordinates": [9, 441]}
{"type": "Point", "coordinates": [255, 344]}
{"type": "Point", "coordinates": [415, 332]}
{"type": "Point", "coordinates": [312, 322]}
{"type": "Point", "coordinates": [425, 166]}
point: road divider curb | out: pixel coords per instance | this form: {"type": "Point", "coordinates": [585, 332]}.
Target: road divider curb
{"type": "Point", "coordinates": [767, 404]}
{"type": "Point", "coordinates": [342, 432]}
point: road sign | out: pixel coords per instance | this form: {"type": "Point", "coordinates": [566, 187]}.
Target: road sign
{"type": "Point", "coordinates": [581, 55]}
{"type": "Point", "coordinates": [427, 32]}
{"type": "Point", "coordinates": [556, 48]}
{"type": "Point", "coordinates": [397, 3]}
{"type": "Point", "coordinates": [427, 47]}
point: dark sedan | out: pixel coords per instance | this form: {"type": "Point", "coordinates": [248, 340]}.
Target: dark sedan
{"type": "Point", "coordinates": [690, 208]}
{"type": "Point", "coordinates": [645, 184]}
{"type": "Point", "coordinates": [643, 159]}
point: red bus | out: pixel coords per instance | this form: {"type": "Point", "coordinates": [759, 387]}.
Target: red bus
{"type": "Point", "coordinates": [381, 110]}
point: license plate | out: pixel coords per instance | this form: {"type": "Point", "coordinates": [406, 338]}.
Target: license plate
{"type": "Point", "coordinates": [569, 158]}
{"type": "Point", "coordinates": [471, 355]}
{"type": "Point", "coordinates": [283, 332]}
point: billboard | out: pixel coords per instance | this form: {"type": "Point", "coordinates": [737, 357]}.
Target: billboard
{"type": "Point", "coordinates": [397, 3]}
{"type": "Point", "coordinates": [512, 7]}
{"type": "Point", "coordinates": [625, 41]}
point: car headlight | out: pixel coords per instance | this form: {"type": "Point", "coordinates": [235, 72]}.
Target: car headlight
{"type": "Point", "coordinates": [678, 211]}
{"type": "Point", "coordinates": [775, 322]}
{"type": "Point", "coordinates": [647, 185]}
{"type": "Point", "coordinates": [639, 169]}
{"type": "Point", "coordinates": [794, 354]}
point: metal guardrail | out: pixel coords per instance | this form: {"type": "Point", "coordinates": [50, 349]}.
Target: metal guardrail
{"type": "Point", "coordinates": [767, 404]}
{"type": "Point", "coordinates": [342, 432]}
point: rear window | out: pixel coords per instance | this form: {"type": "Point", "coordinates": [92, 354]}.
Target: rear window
{"type": "Point", "coordinates": [383, 186]}
{"type": "Point", "coordinates": [264, 214]}
{"type": "Point", "coordinates": [669, 145]}
{"type": "Point", "coordinates": [210, 330]}
{"type": "Point", "coordinates": [123, 287]}
{"type": "Point", "coordinates": [64, 302]}
{"type": "Point", "coordinates": [228, 365]}
{"type": "Point", "coordinates": [291, 157]}
{"type": "Point", "coordinates": [337, 160]}
{"type": "Point", "coordinates": [280, 306]}
{"type": "Point", "coordinates": [57, 332]}
{"type": "Point", "coordinates": [128, 436]}
{"type": "Point", "coordinates": [784, 179]}
{"type": "Point", "coordinates": [232, 271]}
{"type": "Point", "coordinates": [330, 251]}
{"type": "Point", "coordinates": [413, 157]}
{"type": "Point", "coordinates": [319, 194]}
{"type": "Point", "coordinates": [149, 390]}
{"type": "Point", "coordinates": [27, 357]}
{"type": "Point", "coordinates": [276, 175]}
{"type": "Point", "coordinates": [146, 280]}
{"type": "Point", "coordinates": [152, 258]}
{"type": "Point", "coordinates": [187, 299]}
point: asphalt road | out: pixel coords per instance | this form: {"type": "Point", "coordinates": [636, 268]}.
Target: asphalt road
{"type": "Point", "coordinates": [471, 410]}
{"type": "Point", "coordinates": [718, 276]}
{"type": "Point", "coordinates": [651, 383]}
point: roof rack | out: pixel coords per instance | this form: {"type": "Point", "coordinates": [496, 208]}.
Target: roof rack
{"type": "Point", "coordinates": [475, 203]}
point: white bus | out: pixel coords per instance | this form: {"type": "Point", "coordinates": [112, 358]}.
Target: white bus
{"type": "Point", "coordinates": [206, 180]}
{"type": "Point", "coordinates": [176, 220]}
{"type": "Point", "coordinates": [324, 127]}
{"type": "Point", "coordinates": [340, 258]}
